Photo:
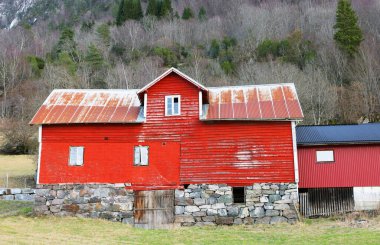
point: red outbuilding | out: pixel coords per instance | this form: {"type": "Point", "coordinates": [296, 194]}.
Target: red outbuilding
{"type": "Point", "coordinates": [172, 132]}
{"type": "Point", "coordinates": [340, 162]}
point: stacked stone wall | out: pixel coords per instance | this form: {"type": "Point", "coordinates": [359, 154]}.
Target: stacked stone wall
{"type": "Point", "coordinates": [17, 194]}
{"type": "Point", "coordinates": [213, 205]}
{"type": "Point", "coordinates": [94, 201]}
{"type": "Point", "coordinates": [196, 205]}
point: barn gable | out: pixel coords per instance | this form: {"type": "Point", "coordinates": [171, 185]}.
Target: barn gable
{"type": "Point", "coordinates": [168, 72]}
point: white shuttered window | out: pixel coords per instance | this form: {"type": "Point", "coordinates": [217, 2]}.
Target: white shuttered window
{"type": "Point", "coordinates": [141, 155]}
{"type": "Point", "coordinates": [76, 155]}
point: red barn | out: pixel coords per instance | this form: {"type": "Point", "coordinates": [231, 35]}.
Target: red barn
{"type": "Point", "coordinates": [341, 161]}
{"type": "Point", "coordinates": [169, 134]}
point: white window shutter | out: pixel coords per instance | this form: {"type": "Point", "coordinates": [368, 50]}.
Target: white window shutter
{"type": "Point", "coordinates": [137, 155]}
{"type": "Point", "coordinates": [144, 155]}
{"type": "Point", "coordinates": [73, 155]}
{"type": "Point", "coordinates": [80, 151]}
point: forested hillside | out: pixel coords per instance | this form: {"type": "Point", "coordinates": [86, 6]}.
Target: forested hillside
{"type": "Point", "coordinates": [332, 56]}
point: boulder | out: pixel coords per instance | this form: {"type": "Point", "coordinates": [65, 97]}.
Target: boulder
{"type": "Point", "coordinates": [57, 201]}
{"type": "Point", "coordinates": [184, 219]}
{"type": "Point", "coordinates": [270, 212]}
{"type": "Point", "coordinates": [15, 191]}
{"type": "Point", "coordinates": [179, 210]}
{"type": "Point", "coordinates": [208, 218]}
{"type": "Point", "coordinates": [244, 212]}
{"type": "Point", "coordinates": [264, 220]}
{"type": "Point", "coordinates": [224, 220]}
{"type": "Point", "coordinates": [257, 212]}
{"type": "Point", "coordinates": [290, 214]}
{"type": "Point", "coordinates": [24, 197]}
{"type": "Point", "coordinates": [273, 198]}
{"type": "Point", "coordinates": [281, 206]}
{"type": "Point", "coordinates": [232, 211]}
{"type": "Point", "coordinates": [212, 211]}
{"type": "Point", "coordinates": [199, 214]}
{"type": "Point", "coordinates": [191, 209]}
{"type": "Point", "coordinates": [199, 201]}
{"type": "Point", "coordinates": [222, 212]}
{"type": "Point", "coordinates": [264, 199]}
{"type": "Point", "coordinates": [278, 219]}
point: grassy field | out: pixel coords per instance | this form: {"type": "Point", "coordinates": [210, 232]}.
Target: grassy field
{"type": "Point", "coordinates": [22, 229]}
{"type": "Point", "coordinates": [20, 170]}
{"type": "Point", "coordinates": [17, 165]}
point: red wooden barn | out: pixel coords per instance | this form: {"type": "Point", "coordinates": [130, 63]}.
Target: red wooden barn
{"type": "Point", "coordinates": [170, 133]}
{"type": "Point", "coordinates": [340, 164]}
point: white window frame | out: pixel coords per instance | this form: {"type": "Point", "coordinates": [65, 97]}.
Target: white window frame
{"type": "Point", "coordinates": [79, 156]}
{"type": "Point", "coordinates": [179, 105]}
{"type": "Point", "coordinates": [138, 157]}
{"type": "Point", "coordinates": [321, 156]}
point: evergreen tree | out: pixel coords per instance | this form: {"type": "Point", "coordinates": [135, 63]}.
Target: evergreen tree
{"type": "Point", "coordinates": [97, 65]}
{"type": "Point", "coordinates": [121, 15]}
{"type": "Point", "coordinates": [137, 10]}
{"type": "Point", "coordinates": [67, 44]}
{"type": "Point", "coordinates": [152, 8]}
{"type": "Point", "coordinates": [166, 8]}
{"type": "Point", "coordinates": [103, 31]}
{"type": "Point", "coordinates": [202, 14]}
{"type": "Point", "coordinates": [129, 9]}
{"type": "Point", "coordinates": [187, 13]}
{"type": "Point", "coordinates": [94, 57]}
{"type": "Point", "coordinates": [348, 33]}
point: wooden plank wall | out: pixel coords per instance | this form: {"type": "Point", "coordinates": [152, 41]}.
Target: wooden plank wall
{"type": "Point", "coordinates": [326, 201]}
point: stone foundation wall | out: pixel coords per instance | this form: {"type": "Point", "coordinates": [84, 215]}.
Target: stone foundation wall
{"type": "Point", "coordinates": [18, 194]}
{"type": "Point", "coordinates": [213, 205]}
{"type": "Point", "coordinates": [95, 201]}
{"type": "Point", "coordinates": [196, 205]}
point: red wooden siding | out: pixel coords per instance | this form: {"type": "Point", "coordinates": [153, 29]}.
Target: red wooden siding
{"type": "Point", "coordinates": [355, 165]}
{"type": "Point", "coordinates": [232, 152]}
{"type": "Point", "coordinates": [107, 161]}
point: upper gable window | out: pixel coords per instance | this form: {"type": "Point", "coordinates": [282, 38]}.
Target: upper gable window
{"type": "Point", "coordinates": [172, 105]}
{"type": "Point", "coordinates": [325, 156]}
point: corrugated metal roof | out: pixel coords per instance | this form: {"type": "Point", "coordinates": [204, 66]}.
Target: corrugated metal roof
{"type": "Point", "coordinates": [338, 134]}
{"type": "Point", "coordinates": [257, 102]}
{"type": "Point", "coordinates": [89, 106]}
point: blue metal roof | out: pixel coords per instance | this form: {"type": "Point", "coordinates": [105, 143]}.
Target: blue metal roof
{"type": "Point", "coordinates": [338, 134]}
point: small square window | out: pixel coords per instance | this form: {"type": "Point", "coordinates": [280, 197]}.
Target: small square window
{"type": "Point", "coordinates": [172, 105]}
{"type": "Point", "coordinates": [238, 194]}
{"type": "Point", "coordinates": [325, 156]}
{"type": "Point", "coordinates": [141, 156]}
{"type": "Point", "coordinates": [76, 155]}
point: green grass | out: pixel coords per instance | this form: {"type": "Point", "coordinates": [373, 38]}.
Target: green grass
{"type": "Point", "coordinates": [23, 229]}
{"type": "Point", "coordinates": [12, 208]}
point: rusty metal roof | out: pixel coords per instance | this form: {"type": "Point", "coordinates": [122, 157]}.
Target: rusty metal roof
{"type": "Point", "coordinates": [253, 102]}
{"type": "Point", "coordinates": [89, 106]}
